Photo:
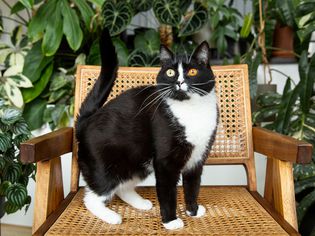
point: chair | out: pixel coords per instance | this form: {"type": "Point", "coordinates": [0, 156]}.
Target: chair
{"type": "Point", "coordinates": [231, 210]}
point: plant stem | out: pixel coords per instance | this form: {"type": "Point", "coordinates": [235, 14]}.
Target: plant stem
{"type": "Point", "coordinates": [12, 19]}
{"type": "Point", "coordinates": [18, 15]}
{"type": "Point", "coordinates": [309, 127]}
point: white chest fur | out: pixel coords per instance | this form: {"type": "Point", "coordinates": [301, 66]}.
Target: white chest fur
{"type": "Point", "coordinates": [198, 116]}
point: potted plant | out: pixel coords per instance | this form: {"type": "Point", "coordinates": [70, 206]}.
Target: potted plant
{"type": "Point", "coordinates": [295, 116]}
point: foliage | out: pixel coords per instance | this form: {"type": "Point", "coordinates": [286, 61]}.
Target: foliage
{"type": "Point", "coordinates": [295, 116]}
{"type": "Point", "coordinates": [14, 176]}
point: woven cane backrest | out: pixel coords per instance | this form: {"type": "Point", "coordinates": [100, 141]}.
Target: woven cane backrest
{"type": "Point", "coordinates": [233, 139]}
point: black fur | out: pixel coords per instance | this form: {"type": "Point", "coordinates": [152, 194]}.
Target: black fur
{"type": "Point", "coordinates": [136, 130]}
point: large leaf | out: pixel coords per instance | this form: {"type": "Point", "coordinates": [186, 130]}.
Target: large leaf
{"type": "Point", "coordinates": [33, 113]}
{"type": "Point", "coordinates": [85, 11]}
{"type": "Point", "coordinates": [94, 57]}
{"type": "Point", "coordinates": [10, 207]}
{"type": "Point", "coordinates": [167, 12]}
{"type": "Point", "coordinates": [288, 101]}
{"type": "Point", "coordinates": [10, 116]}
{"type": "Point", "coordinates": [304, 7]}
{"type": "Point", "coordinates": [301, 185]}
{"type": "Point", "coordinates": [139, 58]}
{"type": "Point", "coordinates": [12, 172]}
{"type": "Point", "coordinates": [35, 62]}
{"type": "Point", "coordinates": [148, 42]}
{"type": "Point", "coordinates": [71, 26]}
{"type": "Point", "coordinates": [17, 194]}
{"type": "Point", "coordinates": [141, 5]}
{"type": "Point", "coordinates": [304, 205]}
{"type": "Point", "coordinates": [307, 79]}
{"type": "Point", "coordinates": [183, 5]}
{"type": "Point", "coordinates": [305, 32]}
{"type": "Point", "coordinates": [5, 142]}
{"type": "Point", "coordinates": [286, 10]}
{"type": "Point", "coordinates": [53, 31]}
{"type": "Point", "coordinates": [27, 3]}
{"type": "Point", "coordinates": [247, 25]}
{"type": "Point", "coordinates": [117, 16]}
{"type": "Point", "coordinates": [20, 127]}
{"type": "Point", "coordinates": [14, 94]}
{"type": "Point", "coordinates": [39, 22]}
{"type": "Point", "coordinates": [20, 81]}
{"type": "Point", "coordinates": [30, 94]}
{"type": "Point", "coordinates": [122, 51]}
{"type": "Point", "coordinates": [194, 20]}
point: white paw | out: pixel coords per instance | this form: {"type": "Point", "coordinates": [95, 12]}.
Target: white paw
{"type": "Point", "coordinates": [174, 224]}
{"type": "Point", "coordinates": [112, 218]}
{"type": "Point", "coordinates": [145, 204]}
{"type": "Point", "coordinates": [200, 212]}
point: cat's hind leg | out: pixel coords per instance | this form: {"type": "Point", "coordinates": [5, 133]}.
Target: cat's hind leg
{"type": "Point", "coordinates": [96, 205]}
{"type": "Point", "coordinates": [126, 192]}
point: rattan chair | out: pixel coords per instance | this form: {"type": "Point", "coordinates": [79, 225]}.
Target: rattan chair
{"type": "Point", "coordinates": [230, 210]}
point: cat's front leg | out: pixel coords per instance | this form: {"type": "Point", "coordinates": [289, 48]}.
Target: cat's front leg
{"type": "Point", "coordinates": [166, 182]}
{"type": "Point", "coordinates": [191, 184]}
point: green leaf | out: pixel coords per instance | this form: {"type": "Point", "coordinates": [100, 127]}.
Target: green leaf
{"type": "Point", "coordinates": [288, 100]}
{"type": "Point", "coordinates": [141, 5]}
{"type": "Point", "coordinates": [193, 20]}
{"type": "Point", "coordinates": [30, 94]}
{"type": "Point", "coordinates": [304, 7]}
{"type": "Point", "coordinates": [85, 11]}
{"type": "Point", "coordinates": [57, 82]}
{"type": "Point", "coordinates": [305, 32]}
{"type": "Point", "coordinates": [40, 20]}
{"type": "Point", "coordinates": [71, 26]}
{"type": "Point", "coordinates": [10, 208]}
{"type": "Point", "coordinates": [12, 172]}
{"type": "Point", "coordinates": [268, 99]}
{"type": "Point", "coordinates": [285, 10]}
{"type": "Point", "coordinates": [10, 116]}
{"type": "Point", "coordinates": [5, 142]}
{"type": "Point", "coordinates": [117, 16]}
{"type": "Point", "coordinates": [183, 6]}
{"type": "Point", "coordinates": [18, 6]}
{"type": "Point", "coordinates": [20, 127]}
{"type": "Point", "coordinates": [301, 185]}
{"type": "Point", "coordinates": [33, 113]}
{"type": "Point", "coordinates": [14, 94]}
{"type": "Point", "coordinates": [148, 42]}
{"type": "Point", "coordinates": [139, 58]}
{"type": "Point", "coordinates": [56, 95]}
{"type": "Point", "coordinates": [20, 138]}
{"type": "Point", "coordinates": [167, 12]}
{"type": "Point", "coordinates": [21, 81]}
{"type": "Point", "coordinates": [4, 186]}
{"type": "Point", "coordinates": [98, 3]}
{"type": "Point", "coordinates": [53, 31]}
{"type": "Point", "coordinates": [94, 57]}
{"type": "Point", "coordinates": [304, 205]}
{"type": "Point", "coordinates": [247, 25]}
{"type": "Point", "coordinates": [122, 51]}
{"type": "Point", "coordinates": [27, 3]}
{"type": "Point", "coordinates": [35, 62]}
{"type": "Point", "coordinates": [17, 194]}
{"type": "Point", "coordinates": [307, 80]}
{"type": "Point", "coordinates": [263, 113]}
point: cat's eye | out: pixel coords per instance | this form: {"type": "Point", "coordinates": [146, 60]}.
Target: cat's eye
{"type": "Point", "coordinates": [170, 72]}
{"type": "Point", "coordinates": [192, 72]}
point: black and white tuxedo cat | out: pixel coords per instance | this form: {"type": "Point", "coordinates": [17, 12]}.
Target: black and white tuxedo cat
{"type": "Point", "coordinates": [168, 128]}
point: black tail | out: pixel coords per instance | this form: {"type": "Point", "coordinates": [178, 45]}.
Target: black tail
{"type": "Point", "coordinates": [102, 87]}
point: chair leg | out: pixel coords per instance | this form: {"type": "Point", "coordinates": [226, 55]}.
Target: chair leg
{"type": "Point", "coordinates": [283, 191]}
{"type": "Point", "coordinates": [49, 190]}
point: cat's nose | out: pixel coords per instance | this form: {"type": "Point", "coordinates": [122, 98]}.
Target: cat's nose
{"type": "Point", "coordinates": [179, 83]}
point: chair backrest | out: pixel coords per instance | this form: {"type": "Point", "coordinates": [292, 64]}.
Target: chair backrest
{"type": "Point", "coordinates": [233, 144]}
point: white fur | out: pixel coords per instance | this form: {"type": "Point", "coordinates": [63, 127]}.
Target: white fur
{"type": "Point", "coordinates": [181, 79]}
{"type": "Point", "coordinates": [96, 205]}
{"type": "Point", "coordinates": [174, 224]}
{"type": "Point", "coordinates": [126, 192]}
{"type": "Point", "coordinates": [198, 116]}
{"type": "Point", "coordinates": [200, 212]}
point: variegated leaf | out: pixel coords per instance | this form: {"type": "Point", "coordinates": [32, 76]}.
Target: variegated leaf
{"type": "Point", "coordinates": [13, 70]}
{"type": "Point", "coordinates": [20, 81]}
{"type": "Point", "coordinates": [167, 12]}
{"type": "Point", "coordinates": [14, 94]}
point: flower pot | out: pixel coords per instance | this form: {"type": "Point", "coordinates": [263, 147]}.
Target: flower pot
{"type": "Point", "coordinates": [283, 42]}
{"type": "Point", "coordinates": [2, 198]}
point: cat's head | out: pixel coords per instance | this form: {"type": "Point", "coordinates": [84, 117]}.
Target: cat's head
{"type": "Point", "coordinates": [186, 75]}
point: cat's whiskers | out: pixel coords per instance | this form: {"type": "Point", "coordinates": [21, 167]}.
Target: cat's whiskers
{"type": "Point", "coordinates": [150, 86]}
{"type": "Point", "coordinates": [159, 90]}
{"type": "Point", "coordinates": [162, 98]}
{"type": "Point", "coordinates": [198, 90]}
{"type": "Point", "coordinates": [153, 101]}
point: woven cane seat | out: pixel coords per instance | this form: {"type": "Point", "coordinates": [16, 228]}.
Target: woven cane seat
{"type": "Point", "coordinates": [229, 211]}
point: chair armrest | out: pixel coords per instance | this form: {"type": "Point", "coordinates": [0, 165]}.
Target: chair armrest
{"type": "Point", "coordinates": [281, 147]}
{"type": "Point", "coordinates": [47, 146]}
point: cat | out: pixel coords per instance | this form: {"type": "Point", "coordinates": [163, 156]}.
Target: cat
{"type": "Point", "coordinates": [167, 128]}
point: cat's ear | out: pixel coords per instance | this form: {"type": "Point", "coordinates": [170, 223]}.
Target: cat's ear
{"type": "Point", "coordinates": [165, 54]}
{"type": "Point", "coordinates": [202, 53]}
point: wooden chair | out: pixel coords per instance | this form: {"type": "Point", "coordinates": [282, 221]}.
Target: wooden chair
{"type": "Point", "coordinates": [230, 209]}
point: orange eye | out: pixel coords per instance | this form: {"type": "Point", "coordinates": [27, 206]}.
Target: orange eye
{"type": "Point", "coordinates": [192, 72]}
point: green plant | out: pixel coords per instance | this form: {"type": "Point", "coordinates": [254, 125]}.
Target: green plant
{"type": "Point", "coordinates": [14, 176]}
{"type": "Point", "coordinates": [295, 116]}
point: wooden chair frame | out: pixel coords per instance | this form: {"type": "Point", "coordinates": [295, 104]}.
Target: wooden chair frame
{"type": "Point", "coordinates": [279, 198]}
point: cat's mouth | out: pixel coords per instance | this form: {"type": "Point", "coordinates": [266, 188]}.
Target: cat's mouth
{"type": "Point", "coordinates": [181, 85]}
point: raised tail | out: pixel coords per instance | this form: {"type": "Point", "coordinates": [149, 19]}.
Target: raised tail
{"type": "Point", "coordinates": [103, 85]}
